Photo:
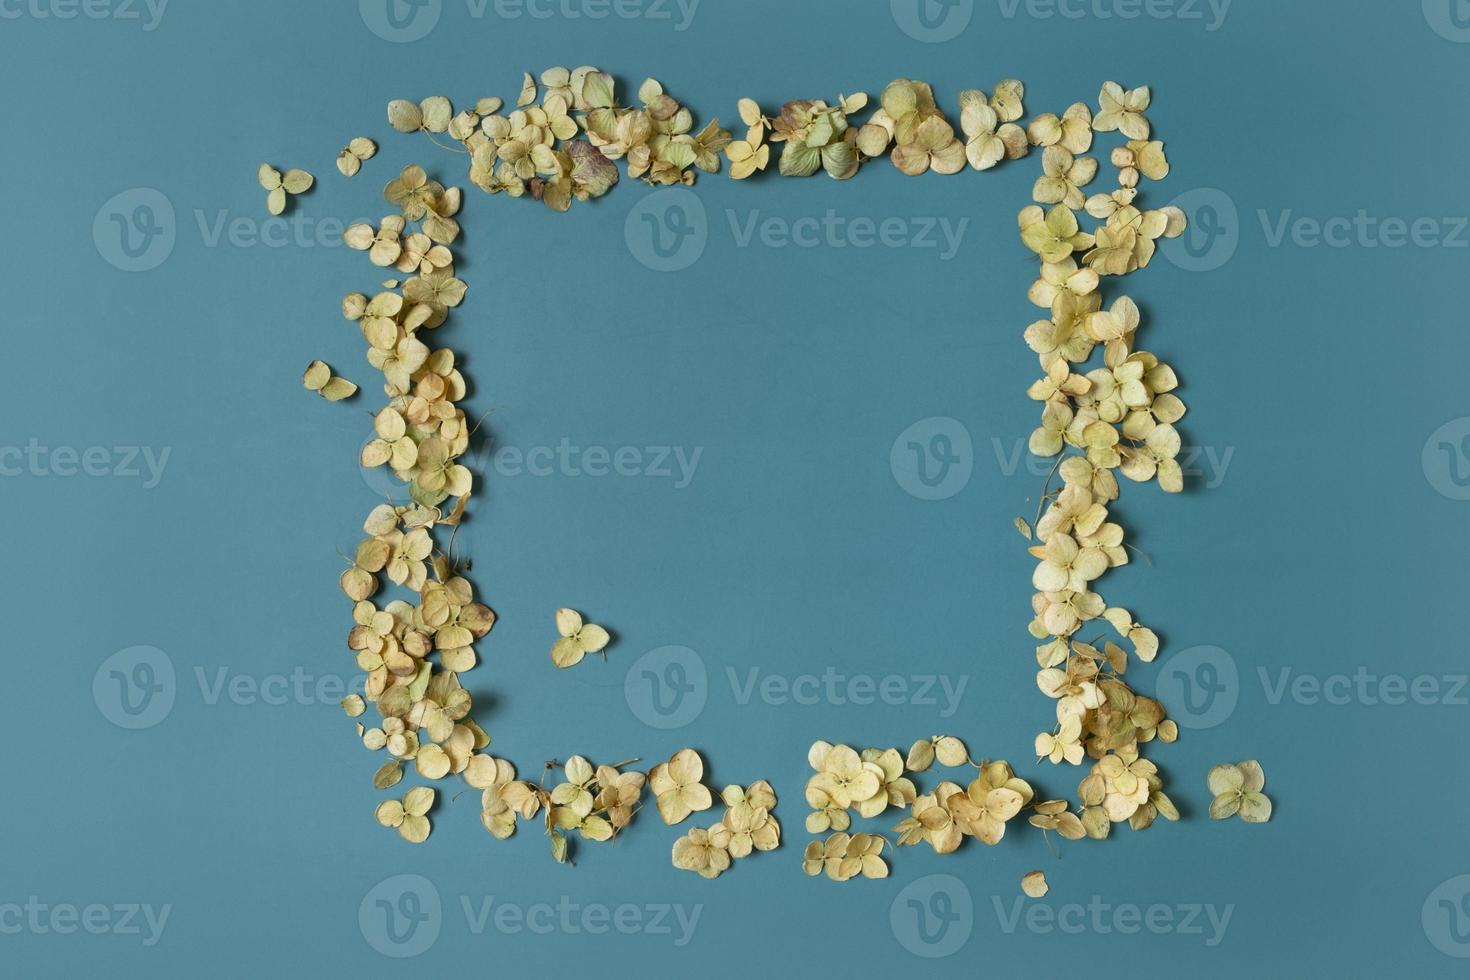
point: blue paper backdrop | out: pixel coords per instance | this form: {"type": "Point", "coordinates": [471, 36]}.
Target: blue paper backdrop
{"type": "Point", "coordinates": [721, 460]}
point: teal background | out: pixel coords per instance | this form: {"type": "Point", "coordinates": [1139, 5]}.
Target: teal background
{"type": "Point", "coordinates": [1325, 547]}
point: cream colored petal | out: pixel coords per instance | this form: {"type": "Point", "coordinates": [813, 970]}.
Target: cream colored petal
{"type": "Point", "coordinates": [1255, 808]}
{"type": "Point", "coordinates": [415, 829]}
{"type": "Point", "coordinates": [567, 652]}
{"type": "Point", "coordinates": [568, 622]}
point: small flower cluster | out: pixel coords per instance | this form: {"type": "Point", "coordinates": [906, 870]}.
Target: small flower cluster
{"type": "Point", "coordinates": [874, 780]}
{"type": "Point", "coordinates": [944, 818]}
{"type": "Point", "coordinates": [1118, 417]}
{"type": "Point", "coordinates": [535, 149]}
{"type": "Point", "coordinates": [1123, 787]}
{"type": "Point", "coordinates": [748, 825]}
{"type": "Point", "coordinates": [414, 648]}
{"type": "Point", "coordinates": [909, 127]}
{"type": "Point", "coordinates": [845, 856]}
{"type": "Point", "coordinates": [597, 802]}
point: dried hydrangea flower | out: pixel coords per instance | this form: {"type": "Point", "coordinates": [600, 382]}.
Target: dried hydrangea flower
{"type": "Point", "coordinates": [1007, 100]}
{"type": "Point", "coordinates": [319, 378]}
{"type": "Point", "coordinates": [431, 115]}
{"type": "Point", "coordinates": [440, 291]}
{"type": "Point", "coordinates": [751, 154]}
{"type": "Point", "coordinates": [909, 118]}
{"type": "Point", "coordinates": [983, 147]}
{"type": "Point", "coordinates": [698, 851]}
{"type": "Point", "coordinates": [278, 186]}
{"type": "Point", "coordinates": [896, 790]}
{"type": "Point", "coordinates": [1063, 744]}
{"type": "Point", "coordinates": [350, 160]}
{"type": "Point", "coordinates": [826, 814]}
{"type": "Point", "coordinates": [492, 777]}
{"type": "Point", "coordinates": [1156, 457]}
{"type": "Point", "coordinates": [1063, 177]}
{"type": "Point", "coordinates": [577, 639]}
{"type": "Point", "coordinates": [574, 803]}
{"type": "Point", "coordinates": [1072, 130]}
{"type": "Point", "coordinates": [843, 775]}
{"type": "Point", "coordinates": [676, 786]}
{"type": "Point", "coordinates": [992, 798]}
{"type": "Point", "coordinates": [1054, 815]}
{"type": "Point", "coordinates": [1067, 566]}
{"type": "Point", "coordinates": [1148, 158]}
{"type": "Point", "coordinates": [618, 795]}
{"type": "Point", "coordinates": [989, 138]}
{"type": "Point", "coordinates": [844, 857]}
{"type": "Point", "coordinates": [1054, 235]}
{"type": "Point", "coordinates": [748, 824]}
{"type": "Point", "coordinates": [816, 136]}
{"type": "Point", "coordinates": [1125, 782]}
{"type": "Point", "coordinates": [421, 255]}
{"type": "Point", "coordinates": [1123, 111]}
{"type": "Point", "coordinates": [932, 822]}
{"type": "Point", "coordinates": [384, 245]}
{"type": "Point", "coordinates": [1237, 790]}
{"type": "Point", "coordinates": [934, 146]}
{"type": "Point", "coordinates": [1034, 884]}
{"type": "Point", "coordinates": [409, 815]}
